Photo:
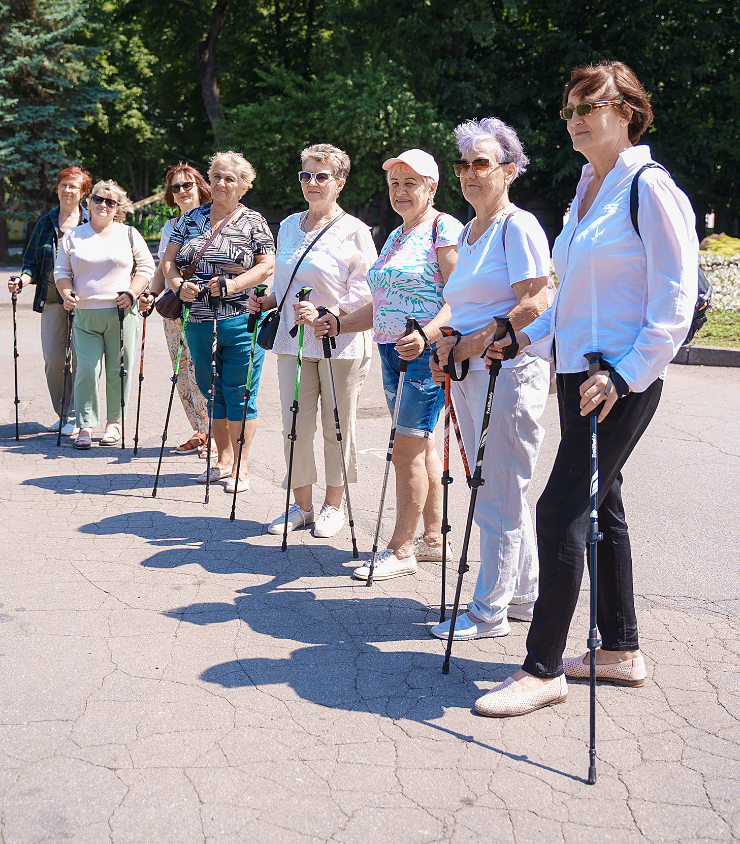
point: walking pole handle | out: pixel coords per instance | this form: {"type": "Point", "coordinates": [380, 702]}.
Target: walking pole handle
{"type": "Point", "coordinates": [302, 295]}
{"type": "Point", "coordinates": [410, 328]}
{"type": "Point", "coordinates": [259, 290]}
{"type": "Point", "coordinates": [327, 342]}
{"type": "Point", "coordinates": [594, 362]}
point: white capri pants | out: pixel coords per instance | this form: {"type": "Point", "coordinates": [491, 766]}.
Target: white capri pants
{"type": "Point", "coordinates": [349, 376]}
{"type": "Point", "coordinates": [509, 568]}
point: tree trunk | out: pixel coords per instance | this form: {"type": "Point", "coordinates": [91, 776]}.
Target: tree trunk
{"type": "Point", "coordinates": [4, 253]}
{"type": "Point", "coordinates": [207, 68]}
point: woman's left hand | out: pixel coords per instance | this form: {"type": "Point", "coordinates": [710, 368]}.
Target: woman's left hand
{"type": "Point", "coordinates": [215, 290]}
{"type": "Point", "coordinates": [125, 301]}
{"type": "Point", "coordinates": [410, 346]}
{"type": "Point", "coordinates": [305, 313]}
{"type": "Point", "coordinates": [594, 391]}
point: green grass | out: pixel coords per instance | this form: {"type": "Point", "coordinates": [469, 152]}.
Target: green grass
{"type": "Point", "coordinates": [722, 329]}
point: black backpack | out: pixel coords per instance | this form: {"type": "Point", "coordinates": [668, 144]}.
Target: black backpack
{"type": "Point", "coordinates": [704, 299]}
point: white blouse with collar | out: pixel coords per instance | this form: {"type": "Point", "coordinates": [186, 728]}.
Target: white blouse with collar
{"type": "Point", "coordinates": [629, 298]}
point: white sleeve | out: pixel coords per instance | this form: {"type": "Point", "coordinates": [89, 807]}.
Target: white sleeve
{"type": "Point", "coordinates": [142, 256]}
{"type": "Point", "coordinates": [526, 247]}
{"type": "Point", "coordinates": [63, 264]}
{"type": "Point", "coordinates": [668, 231]}
{"type": "Point", "coordinates": [358, 291]}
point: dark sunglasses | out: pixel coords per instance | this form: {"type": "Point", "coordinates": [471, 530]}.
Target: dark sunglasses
{"type": "Point", "coordinates": [321, 178]}
{"type": "Point", "coordinates": [586, 108]}
{"type": "Point", "coordinates": [183, 186]}
{"type": "Point", "coordinates": [100, 200]}
{"type": "Point", "coordinates": [480, 166]}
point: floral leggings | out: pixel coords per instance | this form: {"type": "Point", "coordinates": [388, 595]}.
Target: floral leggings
{"type": "Point", "coordinates": [193, 401]}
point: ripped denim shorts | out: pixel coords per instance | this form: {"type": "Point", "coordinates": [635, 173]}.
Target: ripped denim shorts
{"type": "Point", "coordinates": [421, 401]}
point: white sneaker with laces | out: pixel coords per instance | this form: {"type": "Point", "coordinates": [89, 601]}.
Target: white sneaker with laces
{"type": "Point", "coordinates": [296, 518]}
{"type": "Point", "coordinates": [387, 565]}
{"type": "Point", "coordinates": [430, 553]}
{"type": "Point", "coordinates": [466, 628]}
{"type": "Point", "coordinates": [329, 521]}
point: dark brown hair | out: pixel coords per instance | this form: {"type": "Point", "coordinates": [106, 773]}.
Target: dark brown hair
{"type": "Point", "coordinates": [187, 170]}
{"type": "Point", "coordinates": [614, 80]}
{"type": "Point", "coordinates": [76, 172]}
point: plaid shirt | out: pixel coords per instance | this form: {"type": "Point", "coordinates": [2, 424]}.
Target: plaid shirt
{"type": "Point", "coordinates": [41, 253]}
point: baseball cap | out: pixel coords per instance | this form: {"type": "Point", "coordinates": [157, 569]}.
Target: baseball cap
{"type": "Point", "coordinates": [418, 160]}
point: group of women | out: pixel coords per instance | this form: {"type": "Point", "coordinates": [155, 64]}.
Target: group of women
{"type": "Point", "coordinates": [626, 295]}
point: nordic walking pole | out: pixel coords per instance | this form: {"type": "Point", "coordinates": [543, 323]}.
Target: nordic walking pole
{"type": "Point", "coordinates": [211, 394]}
{"type": "Point", "coordinates": [121, 316]}
{"type": "Point", "coordinates": [593, 642]}
{"type": "Point", "coordinates": [446, 481]}
{"type": "Point", "coordinates": [14, 299]}
{"type": "Point", "coordinates": [67, 371]}
{"type": "Point", "coordinates": [502, 326]}
{"type": "Point", "coordinates": [185, 315]}
{"type": "Point", "coordinates": [141, 378]}
{"type": "Point", "coordinates": [330, 343]}
{"type": "Point", "coordinates": [302, 295]}
{"type": "Point", "coordinates": [460, 442]}
{"type": "Point", "coordinates": [252, 325]}
{"type": "Point", "coordinates": [389, 455]}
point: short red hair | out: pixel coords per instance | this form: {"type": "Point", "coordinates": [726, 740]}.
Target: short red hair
{"type": "Point", "coordinates": [187, 170]}
{"type": "Point", "coordinates": [76, 172]}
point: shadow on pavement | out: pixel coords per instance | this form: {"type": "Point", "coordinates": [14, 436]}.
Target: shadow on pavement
{"type": "Point", "coordinates": [113, 482]}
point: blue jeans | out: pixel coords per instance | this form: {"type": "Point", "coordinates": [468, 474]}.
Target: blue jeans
{"type": "Point", "coordinates": [421, 401]}
{"type": "Point", "coordinates": [233, 344]}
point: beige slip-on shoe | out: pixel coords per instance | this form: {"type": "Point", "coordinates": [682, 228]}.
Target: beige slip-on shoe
{"type": "Point", "coordinates": [629, 673]}
{"type": "Point", "coordinates": [506, 700]}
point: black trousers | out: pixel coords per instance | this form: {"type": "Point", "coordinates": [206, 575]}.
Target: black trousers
{"type": "Point", "coordinates": [562, 526]}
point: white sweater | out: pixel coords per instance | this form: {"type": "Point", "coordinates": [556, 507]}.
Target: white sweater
{"type": "Point", "coordinates": [100, 268]}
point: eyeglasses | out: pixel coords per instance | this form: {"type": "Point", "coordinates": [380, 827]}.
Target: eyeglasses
{"type": "Point", "coordinates": [481, 166]}
{"type": "Point", "coordinates": [100, 200]}
{"type": "Point", "coordinates": [586, 108]}
{"type": "Point", "coordinates": [183, 186]}
{"type": "Point", "coordinates": [321, 178]}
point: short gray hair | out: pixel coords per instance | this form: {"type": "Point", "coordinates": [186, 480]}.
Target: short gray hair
{"type": "Point", "coordinates": [238, 163]}
{"type": "Point", "coordinates": [125, 206]}
{"type": "Point", "coordinates": [473, 132]}
{"type": "Point", "coordinates": [337, 159]}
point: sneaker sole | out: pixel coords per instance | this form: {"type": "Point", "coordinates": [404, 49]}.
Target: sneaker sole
{"type": "Point", "coordinates": [382, 576]}
{"type": "Point", "coordinates": [466, 638]}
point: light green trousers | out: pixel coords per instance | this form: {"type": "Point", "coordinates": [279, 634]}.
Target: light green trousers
{"type": "Point", "coordinates": [97, 335]}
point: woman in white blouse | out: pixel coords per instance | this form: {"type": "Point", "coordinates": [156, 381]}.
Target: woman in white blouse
{"type": "Point", "coordinates": [630, 297]}
{"type": "Point", "coordinates": [502, 269]}
{"type": "Point", "coordinates": [335, 269]}
{"type": "Point", "coordinates": [93, 276]}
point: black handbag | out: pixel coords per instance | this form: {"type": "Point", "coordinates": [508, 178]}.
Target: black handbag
{"type": "Point", "coordinates": [271, 322]}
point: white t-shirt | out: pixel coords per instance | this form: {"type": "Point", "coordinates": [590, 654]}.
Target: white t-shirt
{"type": "Point", "coordinates": [336, 269]}
{"type": "Point", "coordinates": [101, 267]}
{"type": "Point", "coordinates": [479, 288]}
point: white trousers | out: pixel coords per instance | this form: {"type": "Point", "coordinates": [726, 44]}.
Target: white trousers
{"type": "Point", "coordinates": [509, 568]}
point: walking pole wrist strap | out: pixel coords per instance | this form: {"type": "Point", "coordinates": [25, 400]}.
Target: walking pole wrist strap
{"type": "Point", "coordinates": [449, 367]}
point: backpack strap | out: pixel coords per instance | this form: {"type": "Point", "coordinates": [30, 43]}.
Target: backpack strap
{"type": "Point", "coordinates": [634, 198]}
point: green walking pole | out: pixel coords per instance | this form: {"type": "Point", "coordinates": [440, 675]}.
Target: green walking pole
{"type": "Point", "coordinates": [252, 327]}
{"type": "Point", "coordinates": [302, 295]}
{"type": "Point", "coordinates": [185, 315]}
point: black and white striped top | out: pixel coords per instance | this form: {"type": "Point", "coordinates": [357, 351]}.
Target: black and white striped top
{"type": "Point", "coordinates": [232, 252]}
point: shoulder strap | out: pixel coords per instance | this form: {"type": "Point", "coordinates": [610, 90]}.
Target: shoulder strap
{"type": "Point", "coordinates": [305, 252]}
{"type": "Point", "coordinates": [634, 198]}
{"type": "Point", "coordinates": [506, 226]}
{"type": "Point", "coordinates": [211, 238]}
{"type": "Point", "coordinates": [131, 244]}
{"type": "Point", "coordinates": [434, 227]}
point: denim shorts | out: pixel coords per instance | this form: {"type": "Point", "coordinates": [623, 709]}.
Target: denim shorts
{"type": "Point", "coordinates": [421, 401]}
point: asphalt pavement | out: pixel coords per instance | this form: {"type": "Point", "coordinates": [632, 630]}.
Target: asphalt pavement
{"type": "Point", "coordinates": [168, 675]}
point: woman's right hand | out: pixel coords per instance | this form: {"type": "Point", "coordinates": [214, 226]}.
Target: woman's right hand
{"type": "Point", "coordinates": [325, 326]}
{"type": "Point", "coordinates": [189, 292]}
{"type": "Point", "coordinates": [70, 301]}
{"type": "Point", "coordinates": [259, 304]}
{"type": "Point", "coordinates": [438, 375]}
{"type": "Point", "coordinates": [146, 300]}
{"type": "Point", "coordinates": [497, 348]}
{"type": "Point", "coordinates": [14, 284]}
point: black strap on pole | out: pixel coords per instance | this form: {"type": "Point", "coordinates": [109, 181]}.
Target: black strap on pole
{"type": "Point", "coordinates": [595, 364]}
{"type": "Point", "coordinates": [503, 326]}
{"type": "Point", "coordinates": [121, 317]}
{"type": "Point", "coordinates": [328, 344]}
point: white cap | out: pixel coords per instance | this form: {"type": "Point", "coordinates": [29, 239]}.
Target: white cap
{"type": "Point", "coordinates": [418, 160]}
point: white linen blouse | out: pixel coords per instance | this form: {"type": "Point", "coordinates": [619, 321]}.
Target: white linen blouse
{"type": "Point", "coordinates": [629, 298]}
{"type": "Point", "coordinates": [336, 269]}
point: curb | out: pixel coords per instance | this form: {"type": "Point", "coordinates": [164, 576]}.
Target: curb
{"type": "Point", "coordinates": [707, 356]}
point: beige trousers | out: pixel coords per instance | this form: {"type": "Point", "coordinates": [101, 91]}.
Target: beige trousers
{"type": "Point", "coordinates": [349, 376]}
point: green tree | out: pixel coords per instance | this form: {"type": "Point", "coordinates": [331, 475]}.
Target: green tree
{"type": "Point", "coordinates": [47, 94]}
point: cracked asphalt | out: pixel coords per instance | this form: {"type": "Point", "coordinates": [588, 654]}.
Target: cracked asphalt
{"type": "Point", "coordinates": [171, 676]}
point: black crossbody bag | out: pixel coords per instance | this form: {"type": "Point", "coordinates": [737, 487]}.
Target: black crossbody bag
{"type": "Point", "coordinates": [269, 328]}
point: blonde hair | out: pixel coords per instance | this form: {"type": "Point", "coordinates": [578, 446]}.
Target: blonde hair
{"type": "Point", "coordinates": [125, 206]}
{"type": "Point", "coordinates": [404, 168]}
{"type": "Point", "coordinates": [245, 173]}
{"type": "Point", "coordinates": [336, 158]}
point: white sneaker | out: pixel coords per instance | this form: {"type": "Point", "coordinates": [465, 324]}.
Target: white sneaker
{"type": "Point", "coordinates": [296, 518]}
{"type": "Point", "coordinates": [70, 430]}
{"type": "Point", "coordinates": [466, 628]}
{"type": "Point", "coordinates": [231, 485]}
{"type": "Point", "coordinates": [432, 554]}
{"type": "Point", "coordinates": [329, 521]}
{"type": "Point", "coordinates": [387, 565]}
{"type": "Point", "coordinates": [521, 612]}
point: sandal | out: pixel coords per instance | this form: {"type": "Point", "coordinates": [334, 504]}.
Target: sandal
{"type": "Point", "coordinates": [112, 434]}
{"type": "Point", "coordinates": [83, 441]}
{"type": "Point", "coordinates": [192, 446]}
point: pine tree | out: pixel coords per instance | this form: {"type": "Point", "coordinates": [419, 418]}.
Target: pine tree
{"type": "Point", "coordinates": [48, 91]}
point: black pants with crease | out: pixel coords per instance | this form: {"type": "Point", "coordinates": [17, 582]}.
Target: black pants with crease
{"type": "Point", "coordinates": [562, 526]}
